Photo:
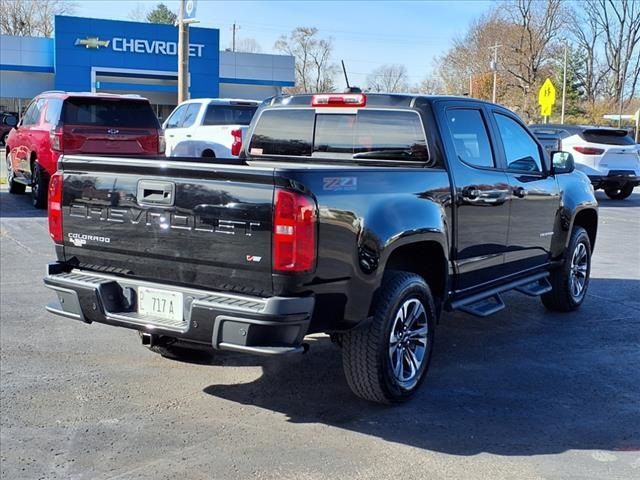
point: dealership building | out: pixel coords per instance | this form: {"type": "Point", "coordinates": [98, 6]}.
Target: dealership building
{"type": "Point", "coordinates": [93, 55]}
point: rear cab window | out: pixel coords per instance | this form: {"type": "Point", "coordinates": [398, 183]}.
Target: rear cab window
{"type": "Point", "coordinates": [368, 134]}
{"type": "Point", "coordinates": [119, 112]}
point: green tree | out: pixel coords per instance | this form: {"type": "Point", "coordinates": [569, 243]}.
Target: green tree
{"type": "Point", "coordinates": [575, 87]}
{"type": "Point", "coordinates": [162, 14]}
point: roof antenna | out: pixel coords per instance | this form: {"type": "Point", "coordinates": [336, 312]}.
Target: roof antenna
{"type": "Point", "coordinates": [349, 89]}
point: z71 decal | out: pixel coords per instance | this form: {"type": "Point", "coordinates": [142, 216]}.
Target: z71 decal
{"type": "Point", "coordinates": [338, 184]}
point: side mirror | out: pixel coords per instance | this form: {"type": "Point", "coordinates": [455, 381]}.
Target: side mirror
{"type": "Point", "coordinates": [562, 162]}
{"type": "Point", "coordinates": [10, 121]}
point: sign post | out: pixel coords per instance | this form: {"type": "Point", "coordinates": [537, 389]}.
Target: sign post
{"type": "Point", "coordinates": [185, 17]}
{"type": "Point", "coordinates": [546, 99]}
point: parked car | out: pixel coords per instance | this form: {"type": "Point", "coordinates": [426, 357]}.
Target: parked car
{"type": "Point", "coordinates": [208, 127]}
{"type": "Point", "coordinates": [57, 123]}
{"type": "Point", "coordinates": [8, 120]}
{"type": "Point", "coordinates": [361, 216]}
{"type": "Point", "coordinates": [608, 156]}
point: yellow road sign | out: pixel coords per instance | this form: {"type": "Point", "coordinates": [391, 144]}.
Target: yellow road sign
{"type": "Point", "coordinates": [546, 98]}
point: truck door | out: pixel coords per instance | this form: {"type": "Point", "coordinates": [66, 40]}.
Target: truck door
{"type": "Point", "coordinates": [481, 195]}
{"type": "Point", "coordinates": [535, 197]}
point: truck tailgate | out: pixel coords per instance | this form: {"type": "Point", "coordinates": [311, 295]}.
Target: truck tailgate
{"type": "Point", "coordinates": [173, 221]}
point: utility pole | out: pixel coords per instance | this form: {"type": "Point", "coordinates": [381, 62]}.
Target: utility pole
{"type": "Point", "coordinates": [494, 67]}
{"type": "Point", "coordinates": [564, 83]}
{"type": "Point", "coordinates": [183, 56]}
{"type": "Point", "coordinates": [235, 28]}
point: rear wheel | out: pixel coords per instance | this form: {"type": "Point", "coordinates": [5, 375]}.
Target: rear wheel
{"type": "Point", "coordinates": [386, 359]}
{"type": "Point", "coordinates": [14, 187]}
{"type": "Point", "coordinates": [208, 154]}
{"type": "Point", "coordinates": [619, 193]}
{"type": "Point", "coordinates": [39, 185]}
{"type": "Point", "coordinates": [570, 281]}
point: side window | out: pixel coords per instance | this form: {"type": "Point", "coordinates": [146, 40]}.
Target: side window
{"type": "Point", "coordinates": [175, 118]}
{"type": "Point", "coordinates": [52, 113]}
{"type": "Point", "coordinates": [520, 149]}
{"type": "Point", "coordinates": [32, 115]}
{"type": "Point", "coordinates": [190, 115]}
{"type": "Point", "coordinates": [470, 137]}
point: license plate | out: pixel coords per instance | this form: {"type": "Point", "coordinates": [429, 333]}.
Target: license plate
{"type": "Point", "coordinates": [160, 304]}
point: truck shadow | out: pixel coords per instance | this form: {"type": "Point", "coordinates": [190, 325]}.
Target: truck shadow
{"type": "Point", "coordinates": [18, 206]}
{"type": "Point", "coordinates": [524, 382]}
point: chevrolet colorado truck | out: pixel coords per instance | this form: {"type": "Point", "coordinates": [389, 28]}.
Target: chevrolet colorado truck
{"type": "Point", "coordinates": [363, 216]}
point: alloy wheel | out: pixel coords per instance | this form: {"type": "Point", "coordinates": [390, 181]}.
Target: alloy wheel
{"type": "Point", "coordinates": [408, 342]}
{"type": "Point", "coordinates": [579, 271]}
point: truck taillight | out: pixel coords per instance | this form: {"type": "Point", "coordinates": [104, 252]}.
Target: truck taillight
{"type": "Point", "coordinates": [55, 136]}
{"type": "Point", "coordinates": [162, 145]}
{"type": "Point", "coordinates": [236, 146]}
{"type": "Point", "coordinates": [294, 232]}
{"type": "Point", "coordinates": [55, 207]}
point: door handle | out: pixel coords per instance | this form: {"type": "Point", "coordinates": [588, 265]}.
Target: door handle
{"type": "Point", "coordinates": [155, 192]}
{"type": "Point", "coordinates": [188, 135]}
{"type": "Point", "coordinates": [520, 192]}
{"type": "Point", "coordinates": [471, 192]}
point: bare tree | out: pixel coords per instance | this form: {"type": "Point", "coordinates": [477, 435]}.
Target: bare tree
{"type": "Point", "coordinates": [314, 70]}
{"type": "Point", "coordinates": [31, 18]}
{"type": "Point", "coordinates": [248, 45]}
{"type": "Point", "coordinates": [530, 43]}
{"type": "Point", "coordinates": [587, 36]}
{"type": "Point", "coordinates": [388, 78]}
{"type": "Point", "coordinates": [139, 13]}
{"type": "Point", "coordinates": [619, 24]}
{"type": "Point", "coordinates": [430, 85]}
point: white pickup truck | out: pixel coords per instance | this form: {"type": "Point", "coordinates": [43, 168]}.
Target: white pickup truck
{"type": "Point", "coordinates": [208, 127]}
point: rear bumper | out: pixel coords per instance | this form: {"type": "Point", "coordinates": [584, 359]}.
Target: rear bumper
{"type": "Point", "coordinates": [615, 179]}
{"type": "Point", "coordinates": [272, 325]}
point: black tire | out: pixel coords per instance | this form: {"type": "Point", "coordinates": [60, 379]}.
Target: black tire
{"type": "Point", "coordinates": [367, 355]}
{"type": "Point", "coordinates": [208, 154]}
{"type": "Point", "coordinates": [15, 188]}
{"type": "Point", "coordinates": [619, 193]}
{"type": "Point", "coordinates": [39, 186]}
{"type": "Point", "coordinates": [563, 296]}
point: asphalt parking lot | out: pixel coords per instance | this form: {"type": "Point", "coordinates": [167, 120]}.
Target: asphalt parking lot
{"type": "Point", "coordinates": [522, 394]}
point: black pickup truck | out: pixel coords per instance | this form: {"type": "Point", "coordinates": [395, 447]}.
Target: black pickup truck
{"type": "Point", "coordinates": [360, 216]}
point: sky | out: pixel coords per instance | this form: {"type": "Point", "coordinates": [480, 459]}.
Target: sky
{"type": "Point", "coordinates": [365, 34]}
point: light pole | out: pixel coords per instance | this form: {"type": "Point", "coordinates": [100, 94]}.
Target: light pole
{"type": "Point", "coordinates": [494, 67]}
{"type": "Point", "coordinates": [183, 56]}
{"type": "Point", "coordinates": [564, 82]}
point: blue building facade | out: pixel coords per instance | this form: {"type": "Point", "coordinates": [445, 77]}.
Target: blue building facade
{"type": "Point", "coordinates": [88, 54]}
{"type": "Point", "coordinates": [86, 49]}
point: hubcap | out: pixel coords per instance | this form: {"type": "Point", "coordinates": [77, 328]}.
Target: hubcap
{"type": "Point", "coordinates": [579, 271]}
{"type": "Point", "coordinates": [408, 342]}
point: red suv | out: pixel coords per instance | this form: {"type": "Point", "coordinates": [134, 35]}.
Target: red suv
{"type": "Point", "coordinates": [57, 123]}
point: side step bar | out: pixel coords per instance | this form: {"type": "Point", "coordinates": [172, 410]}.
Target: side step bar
{"type": "Point", "coordinates": [487, 303]}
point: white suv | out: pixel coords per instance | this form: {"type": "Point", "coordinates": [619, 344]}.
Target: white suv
{"type": "Point", "coordinates": [608, 156]}
{"type": "Point", "coordinates": [208, 127]}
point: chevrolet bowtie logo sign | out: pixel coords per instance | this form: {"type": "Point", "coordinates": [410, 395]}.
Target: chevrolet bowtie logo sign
{"type": "Point", "coordinates": [92, 42]}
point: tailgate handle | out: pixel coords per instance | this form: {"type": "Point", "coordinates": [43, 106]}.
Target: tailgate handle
{"type": "Point", "coordinates": [154, 192]}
